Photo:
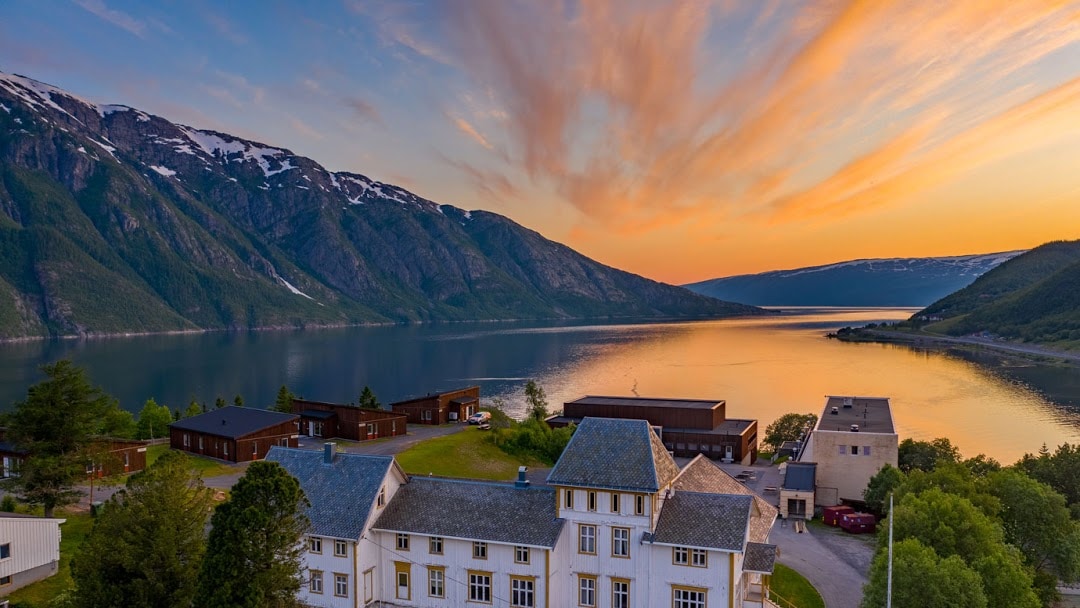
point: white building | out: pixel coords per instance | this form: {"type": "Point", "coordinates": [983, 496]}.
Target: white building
{"type": "Point", "coordinates": [29, 550]}
{"type": "Point", "coordinates": [618, 525]}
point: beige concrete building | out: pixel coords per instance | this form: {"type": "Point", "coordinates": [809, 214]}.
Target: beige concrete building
{"type": "Point", "coordinates": [853, 439]}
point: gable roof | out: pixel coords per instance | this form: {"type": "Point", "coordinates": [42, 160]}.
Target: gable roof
{"type": "Point", "coordinates": [341, 493]}
{"type": "Point", "coordinates": [759, 558]}
{"type": "Point", "coordinates": [616, 454]}
{"type": "Point", "coordinates": [706, 521]}
{"type": "Point", "coordinates": [232, 422]}
{"type": "Point", "coordinates": [484, 511]}
{"type": "Point", "coordinates": [703, 475]}
{"type": "Point", "coordinates": [800, 476]}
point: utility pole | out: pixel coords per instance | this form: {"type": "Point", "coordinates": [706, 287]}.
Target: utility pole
{"type": "Point", "coordinates": [888, 587]}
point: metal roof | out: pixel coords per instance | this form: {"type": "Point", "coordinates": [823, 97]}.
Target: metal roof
{"type": "Point", "coordinates": [482, 511]}
{"type": "Point", "coordinates": [341, 493]}
{"type": "Point", "coordinates": [800, 476]}
{"type": "Point", "coordinates": [705, 404]}
{"type": "Point", "coordinates": [616, 454]}
{"type": "Point", "coordinates": [233, 422]}
{"type": "Point", "coordinates": [317, 414]}
{"type": "Point", "coordinates": [706, 521]}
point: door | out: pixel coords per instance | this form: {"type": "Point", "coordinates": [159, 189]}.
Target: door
{"type": "Point", "coordinates": [727, 452]}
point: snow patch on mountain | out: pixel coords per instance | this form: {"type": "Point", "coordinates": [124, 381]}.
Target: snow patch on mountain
{"type": "Point", "coordinates": [5, 108]}
{"type": "Point", "coordinates": [965, 264]}
{"type": "Point", "coordinates": [165, 171]}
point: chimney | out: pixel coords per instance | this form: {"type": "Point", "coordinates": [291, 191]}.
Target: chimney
{"type": "Point", "coordinates": [521, 481]}
{"type": "Point", "coordinates": [329, 452]}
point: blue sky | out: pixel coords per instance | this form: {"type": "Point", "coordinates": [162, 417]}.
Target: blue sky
{"type": "Point", "coordinates": [682, 139]}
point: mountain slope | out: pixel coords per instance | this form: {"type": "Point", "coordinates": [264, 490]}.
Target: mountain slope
{"type": "Point", "coordinates": [877, 282]}
{"type": "Point", "coordinates": [113, 220]}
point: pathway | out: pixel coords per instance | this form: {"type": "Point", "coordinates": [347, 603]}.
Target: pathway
{"type": "Point", "coordinates": [839, 584]}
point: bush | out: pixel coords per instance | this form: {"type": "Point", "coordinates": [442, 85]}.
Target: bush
{"type": "Point", "coordinates": [7, 505]}
{"type": "Point", "coordinates": [532, 439]}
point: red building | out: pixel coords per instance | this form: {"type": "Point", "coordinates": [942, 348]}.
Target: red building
{"type": "Point", "coordinates": [440, 408]}
{"type": "Point", "coordinates": [236, 434]}
{"type": "Point", "coordinates": [318, 419]}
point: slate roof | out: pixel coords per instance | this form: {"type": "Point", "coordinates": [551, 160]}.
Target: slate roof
{"type": "Point", "coordinates": [617, 454]}
{"type": "Point", "coordinates": [341, 494]}
{"type": "Point", "coordinates": [800, 476]}
{"type": "Point", "coordinates": [706, 521]}
{"type": "Point", "coordinates": [484, 511]}
{"type": "Point", "coordinates": [702, 475]}
{"type": "Point", "coordinates": [232, 422]}
{"type": "Point", "coordinates": [759, 558]}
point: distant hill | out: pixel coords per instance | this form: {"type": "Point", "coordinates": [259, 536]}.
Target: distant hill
{"type": "Point", "coordinates": [1034, 297]}
{"type": "Point", "coordinates": [113, 220]}
{"type": "Point", "coordinates": [876, 282]}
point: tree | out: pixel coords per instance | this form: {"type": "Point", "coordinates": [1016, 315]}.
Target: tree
{"type": "Point", "coordinates": [238, 401]}
{"type": "Point", "coordinates": [56, 425]}
{"type": "Point", "coordinates": [368, 400]}
{"type": "Point", "coordinates": [536, 400]}
{"type": "Point", "coordinates": [253, 556]}
{"type": "Point", "coordinates": [193, 409]}
{"type": "Point", "coordinates": [954, 479]}
{"type": "Point", "coordinates": [219, 403]}
{"type": "Point", "coordinates": [154, 420]}
{"type": "Point", "coordinates": [925, 455]}
{"type": "Point", "coordinates": [148, 542]}
{"type": "Point", "coordinates": [284, 401]}
{"type": "Point", "coordinates": [982, 465]}
{"type": "Point", "coordinates": [922, 579]}
{"type": "Point", "coordinates": [1057, 470]}
{"type": "Point", "coordinates": [118, 423]}
{"type": "Point", "coordinates": [877, 491]}
{"type": "Point", "coordinates": [789, 427]}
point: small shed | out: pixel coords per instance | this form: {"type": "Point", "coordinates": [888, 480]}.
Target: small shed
{"type": "Point", "coordinates": [858, 523]}
{"type": "Point", "coordinates": [831, 515]}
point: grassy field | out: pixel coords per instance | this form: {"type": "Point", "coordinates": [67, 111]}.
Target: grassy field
{"type": "Point", "coordinates": [72, 534]}
{"type": "Point", "coordinates": [207, 467]}
{"type": "Point", "coordinates": [793, 587]}
{"type": "Point", "coordinates": [462, 454]}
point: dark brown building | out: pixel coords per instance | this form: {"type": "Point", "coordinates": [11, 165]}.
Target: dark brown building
{"type": "Point", "coordinates": [318, 419]}
{"type": "Point", "coordinates": [440, 408]}
{"type": "Point", "coordinates": [108, 456]}
{"type": "Point", "coordinates": [236, 434]}
{"type": "Point", "coordinates": [688, 427]}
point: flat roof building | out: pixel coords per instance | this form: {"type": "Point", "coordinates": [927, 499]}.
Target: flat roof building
{"type": "Point", "coordinates": [236, 434]}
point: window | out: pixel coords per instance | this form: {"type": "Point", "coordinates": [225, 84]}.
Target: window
{"type": "Point", "coordinates": [315, 581]}
{"type": "Point", "coordinates": [436, 582]}
{"type": "Point", "coordinates": [569, 499]}
{"type": "Point", "coordinates": [680, 556]}
{"type": "Point", "coordinates": [865, 450]}
{"type": "Point", "coordinates": [434, 545]}
{"type": "Point", "coordinates": [843, 450]}
{"type": "Point", "coordinates": [614, 502]}
{"type": "Point", "coordinates": [587, 539]}
{"type": "Point", "coordinates": [620, 542]}
{"type": "Point", "coordinates": [688, 598]}
{"type": "Point", "coordinates": [127, 460]}
{"type": "Point", "coordinates": [341, 585]}
{"type": "Point", "coordinates": [521, 555]}
{"type": "Point", "coordinates": [187, 440]}
{"type": "Point", "coordinates": [402, 542]}
{"type": "Point", "coordinates": [699, 558]}
{"type": "Point", "coordinates": [854, 450]}
{"type": "Point", "coordinates": [620, 594]}
{"type": "Point", "coordinates": [371, 429]}
{"type": "Point", "coordinates": [317, 429]}
{"type": "Point", "coordinates": [315, 544]}
{"type": "Point", "coordinates": [479, 550]}
{"type": "Point", "coordinates": [340, 548]}
{"type": "Point", "coordinates": [5, 581]}
{"type": "Point", "coordinates": [381, 500]}
{"type": "Point", "coordinates": [226, 446]}
{"type": "Point", "coordinates": [480, 587]}
{"type": "Point", "coordinates": [586, 590]}
{"type": "Point", "coordinates": [425, 415]}
{"type": "Point", "coordinates": [254, 449]}
{"type": "Point", "coordinates": [402, 591]}
{"type": "Point", "coordinates": [592, 501]}
{"type": "Point", "coordinates": [200, 443]}
{"type": "Point", "coordinates": [639, 505]}
{"type": "Point", "coordinates": [369, 585]}
{"type": "Point", "coordinates": [5, 550]}
{"type": "Point", "coordinates": [521, 592]}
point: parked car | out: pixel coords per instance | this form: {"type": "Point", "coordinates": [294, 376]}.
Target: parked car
{"type": "Point", "coordinates": [479, 418]}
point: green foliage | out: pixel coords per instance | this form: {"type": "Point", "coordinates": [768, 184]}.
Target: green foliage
{"type": "Point", "coordinates": [118, 423]}
{"type": "Point", "coordinates": [981, 465]}
{"type": "Point", "coordinates": [954, 479]}
{"type": "Point", "coordinates": [219, 403]}
{"type": "Point", "coordinates": [238, 401]}
{"type": "Point", "coordinates": [368, 400]}
{"type": "Point", "coordinates": [8, 504]}
{"type": "Point", "coordinates": [253, 556]}
{"type": "Point", "coordinates": [922, 579]}
{"type": "Point", "coordinates": [154, 420]}
{"type": "Point", "coordinates": [536, 400]}
{"type": "Point", "coordinates": [284, 401]}
{"type": "Point", "coordinates": [499, 417]}
{"type": "Point", "coordinates": [877, 491]}
{"type": "Point", "coordinates": [925, 455]}
{"type": "Point", "coordinates": [1057, 470]}
{"type": "Point", "coordinates": [789, 427]}
{"type": "Point", "coordinates": [193, 409]}
{"type": "Point", "coordinates": [148, 542]}
{"type": "Point", "coordinates": [56, 425]}
{"type": "Point", "coordinates": [532, 438]}
{"type": "Point", "coordinates": [468, 453]}
{"type": "Point", "coordinates": [793, 587]}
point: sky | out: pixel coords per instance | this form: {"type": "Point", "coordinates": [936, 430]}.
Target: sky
{"type": "Point", "coordinates": [681, 140]}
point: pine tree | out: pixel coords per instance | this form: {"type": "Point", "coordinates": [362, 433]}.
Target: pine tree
{"type": "Point", "coordinates": [238, 401]}
{"type": "Point", "coordinates": [368, 400]}
{"type": "Point", "coordinates": [284, 401]}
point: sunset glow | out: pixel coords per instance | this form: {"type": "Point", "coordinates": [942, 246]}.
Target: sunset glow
{"type": "Point", "coordinates": [681, 140]}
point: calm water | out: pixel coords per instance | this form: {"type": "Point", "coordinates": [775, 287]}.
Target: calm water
{"type": "Point", "coordinates": [762, 367]}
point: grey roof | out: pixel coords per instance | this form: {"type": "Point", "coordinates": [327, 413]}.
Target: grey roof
{"type": "Point", "coordinates": [341, 494]}
{"type": "Point", "coordinates": [707, 521]}
{"type": "Point", "coordinates": [702, 475]}
{"type": "Point", "coordinates": [697, 404]}
{"type": "Point", "coordinates": [614, 453]}
{"type": "Point", "coordinates": [232, 422]}
{"type": "Point", "coordinates": [800, 476]}
{"type": "Point", "coordinates": [484, 511]}
{"type": "Point", "coordinates": [464, 400]}
{"type": "Point", "coordinates": [759, 558]}
{"type": "Point", "coordinates": [872, 414]}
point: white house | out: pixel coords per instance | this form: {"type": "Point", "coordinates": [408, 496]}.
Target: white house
{"type": "Point", "coordinates": [29, 550]}
{"type": "Point", "coordinates": [618, 525]}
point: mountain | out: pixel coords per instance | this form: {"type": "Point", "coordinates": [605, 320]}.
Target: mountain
{"type": "Point", "coordinates": [879, 282]}
{"type": "Point", "coordinates": [1033, 297]}
{"type": "Point", "coordinates": [113, 220]}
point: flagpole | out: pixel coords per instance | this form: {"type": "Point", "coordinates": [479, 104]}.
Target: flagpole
{"type": "Point", "coordinates": [888, 589]}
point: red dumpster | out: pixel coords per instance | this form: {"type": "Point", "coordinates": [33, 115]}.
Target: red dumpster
{"type": "Point", "coordinates": [832, 515]}
{"type": "Point", "coordinates": [857, 523]}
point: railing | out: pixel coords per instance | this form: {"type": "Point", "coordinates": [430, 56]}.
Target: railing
{"type": "Point", "coordinates": [779, 600]}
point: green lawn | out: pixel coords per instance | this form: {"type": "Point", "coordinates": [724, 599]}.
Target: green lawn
{"type": "Point", "coordinates": [72, 534]}
{"type": "Point", "coordinates": [793, 587]}
{"type": "Point", "coordinates": [206, 467]}
{"type": "Point", "coordinates": [462, 454]}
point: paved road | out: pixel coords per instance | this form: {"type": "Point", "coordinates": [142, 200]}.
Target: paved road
{"type": "Point", "coordinates": [1002, 345]}
{"type": "Point", "coordinates": [838, 582]}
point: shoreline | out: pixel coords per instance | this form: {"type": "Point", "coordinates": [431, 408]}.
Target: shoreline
{"type": "Point", "coordinates": [1028, 352]}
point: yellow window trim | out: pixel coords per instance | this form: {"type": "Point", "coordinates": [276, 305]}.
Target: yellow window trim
{"type": "Point", "coordinates": [589, 577]}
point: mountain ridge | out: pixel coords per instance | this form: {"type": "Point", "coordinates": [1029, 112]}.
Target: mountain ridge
{"type": "Point", "coordinates": [113, 220]}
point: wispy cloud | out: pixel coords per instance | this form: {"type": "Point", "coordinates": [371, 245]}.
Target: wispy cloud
{"type": "Point", "coordinates": [363, 109]}
{"type": "Point", "coordinates": [225, 28]}
{"type": "Point", "coordinates": [118, 18]}
{"type": "Point", "coordinates": [465, 127]}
